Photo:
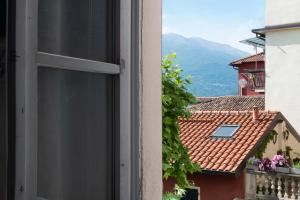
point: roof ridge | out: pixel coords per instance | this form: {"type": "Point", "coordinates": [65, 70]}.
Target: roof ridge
{"type": "Point", "coordinates": [258, 54]}
{"type": "Point", "coordinates": [230, 96]}
{"type": "Point", "coordinates": [231, 111]}
{"type": "Point", "coordinates": [245, 58]}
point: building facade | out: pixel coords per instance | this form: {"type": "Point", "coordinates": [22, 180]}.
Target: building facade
{"type": "Point", "coordinates": [221, 142]}
{"type": "Point", "coordinates": [251, 75]}
{"type": "Point", "coordinates": [282, 33]}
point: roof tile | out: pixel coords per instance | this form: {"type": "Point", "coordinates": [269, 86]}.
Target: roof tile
{"type": "Point", "coordinates": [222, 154]}
{"type": "Point", "coordinates": [228, 103]}
{"type": "Point", "coordinates": [260, 57]}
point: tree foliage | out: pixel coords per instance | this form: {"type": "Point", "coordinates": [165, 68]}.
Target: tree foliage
{"type": "Point", "coordinates": [175, 100]}
{"type": "Point", "coordinates": [179, 192]}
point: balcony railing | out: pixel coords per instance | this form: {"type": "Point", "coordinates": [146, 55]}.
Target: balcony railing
{"type": "Point", "coordinates": [257, 80]}
{"type": "Point", "coordinates": [273, 185]}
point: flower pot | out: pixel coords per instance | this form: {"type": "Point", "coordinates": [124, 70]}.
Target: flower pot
{"type": "Point", "coordinates": [295, 170]}
{"type": "Point", "coordinates": [283, 170]}
{"type": "Point", "coordinates": [252, 167]}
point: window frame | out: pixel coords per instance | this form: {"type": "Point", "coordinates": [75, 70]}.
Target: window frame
{"type": "Point", "coordinates": [237, 127]}
{"type": "Point", "coordinates": [28, 58]}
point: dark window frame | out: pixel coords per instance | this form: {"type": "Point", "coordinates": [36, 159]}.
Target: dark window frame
{"type": "Point", "coordinates": [8, 137]}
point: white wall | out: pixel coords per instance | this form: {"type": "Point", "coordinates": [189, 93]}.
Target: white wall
{"type": "Point", "coordinates": [282, 12]}
{"type": "Point", "coordinates": [283, 60]}
{"type": "Point", "coordinates": [283, 73]}
{"type": "Point", "coordinates": [151, 100]}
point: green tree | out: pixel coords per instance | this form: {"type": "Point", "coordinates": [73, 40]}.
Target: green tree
{"type": "Point", "coordinates": [175, 100]}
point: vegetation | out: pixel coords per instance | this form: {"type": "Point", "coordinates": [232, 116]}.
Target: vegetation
{"type": "Point", "coordinates": [262, 148]}
{"type": "Point", "coordinates": [297, 165]}
{"type": "Point", "coordinates": [179, 192]}
{"type": "Point", "coordinates": [175, 100]}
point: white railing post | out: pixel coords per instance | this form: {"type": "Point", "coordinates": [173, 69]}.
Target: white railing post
{"type": "Point", "coordinates": [298, 191]}
{"type": "Point", "coordinates": [273, 187]}
{"type": "Point", "coordinates": [293, 197]}
{"type": "Point", "coordinates": [267, 186]}
{"type": "Point", "coordinates": [279, 188]}
{"type": "Point", "coordinates": [251, 186]}
{"type": "Point", "coordinates": [286, 195]}
{"type": "Point", "coordinates": [260, 185]}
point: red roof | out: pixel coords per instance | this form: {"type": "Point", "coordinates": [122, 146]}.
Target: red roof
{"type": "Point", "coordinates": [220, 154]}
{"type": "Point", "coordinates": [260, 57]}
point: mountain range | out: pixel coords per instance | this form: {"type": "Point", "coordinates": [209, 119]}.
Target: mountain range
{"type": "Point", "coordinates": [207, 63]}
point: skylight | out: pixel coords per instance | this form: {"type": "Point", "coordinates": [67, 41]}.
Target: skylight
{"type": "Point", "coordinates": [225, 131]}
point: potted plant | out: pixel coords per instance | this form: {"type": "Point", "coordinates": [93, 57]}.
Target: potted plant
{"type": "Point", "coordinates": [265, 165]}
{"type": "Point", "coordinates": [296, 168]}
{"type": "Point", "coordinates": [252, 163]}
{"type": "Point", "coordinates": [280, 164]}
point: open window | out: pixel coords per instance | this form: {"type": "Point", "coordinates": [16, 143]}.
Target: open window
{"type": "Point", "coordinates": [76, 70]}
{"type": "Point", "coordinates": [74, 122]}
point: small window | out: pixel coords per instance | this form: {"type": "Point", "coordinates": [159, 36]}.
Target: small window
{"type": "Point", "coordinates": [191, 193]}
{"type": "Point", "coordinates": [225, 131]}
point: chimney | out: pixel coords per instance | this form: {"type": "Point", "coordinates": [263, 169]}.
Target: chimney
{"type": "Point", "coordinates": [255, 113]}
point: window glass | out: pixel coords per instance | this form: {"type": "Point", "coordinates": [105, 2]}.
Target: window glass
{"type": "Point", "coordinates": [3, 102]}
{"type": "Point", "coordinates": [226, 131]}
{"type": "Point", "coordinates": [190, 194]}
{"type": "Point", "coordinates": [78, 28]}
{"type": "Point", "coordinates": [75, 137]}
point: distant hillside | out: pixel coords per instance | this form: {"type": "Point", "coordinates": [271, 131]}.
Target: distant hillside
{"type": "Point", "coordinates": [207, 62]}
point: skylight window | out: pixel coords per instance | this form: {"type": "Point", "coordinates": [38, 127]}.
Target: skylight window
{"type": "Point", "coordinates": [225, 131]}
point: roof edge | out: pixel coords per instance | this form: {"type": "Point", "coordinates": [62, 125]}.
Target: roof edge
{"type": "Point", "coordinates": [232, 112]}
{"type": "Point", "coordinates": [258, 143]}
{"type": "Point", "coordinates": [278, 117]}
{"type": "Point", "coordinates": [290, 127]}
{"type": "Point", "coordinates": [215, 172]}
{"type": "Point", "coordinates": [228, 96]}
{"type": "Point", "coordinates": [235, 63]}
{"type": "Point", "coordinates": [276, 27]}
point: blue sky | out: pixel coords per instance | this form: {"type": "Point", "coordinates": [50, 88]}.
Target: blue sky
{"type": "Point", "coordinates": [224, 21]}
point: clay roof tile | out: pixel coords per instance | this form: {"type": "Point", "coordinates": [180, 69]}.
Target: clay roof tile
{"type": "Point", "coordinates": [220, 154]}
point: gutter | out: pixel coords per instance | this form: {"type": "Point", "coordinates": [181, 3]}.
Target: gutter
{"type": "Point", "coordinates": [261, 31]}
{"type": "Point", "coordinates": [215, 172]}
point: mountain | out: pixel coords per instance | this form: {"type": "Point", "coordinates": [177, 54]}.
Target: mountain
{"type": "Point", "coordinates": [207, 62]}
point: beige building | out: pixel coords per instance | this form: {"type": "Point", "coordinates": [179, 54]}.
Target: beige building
{"type": "Point", "coordinates": [282, 34]}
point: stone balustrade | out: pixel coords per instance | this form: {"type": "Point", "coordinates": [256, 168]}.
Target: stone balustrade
{"type": "Point", "coordinates": [272, 185]}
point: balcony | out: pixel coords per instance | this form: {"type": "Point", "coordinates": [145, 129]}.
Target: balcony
{"type": "Point", "coordinates": [256, 80]}
{"type": "Point", "coordinates": [272, 185]}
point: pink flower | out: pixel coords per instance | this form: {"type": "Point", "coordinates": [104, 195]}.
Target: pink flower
{"type": "Point", "coordinates": [279, 161]}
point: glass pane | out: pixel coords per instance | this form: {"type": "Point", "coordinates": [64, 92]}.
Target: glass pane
{"type": "Point", "coordinates": [3, 102]}
{"type": "Point", "coordinates": [226, 131]}
{"type": "Point", "coordinates": [75, 140]}
{"type": "Point", "coordinates": [2, 138]}
{"type": "Point", "coordinates": [190, 194]}
{"type": "Point", "coordinates": [78, 28]}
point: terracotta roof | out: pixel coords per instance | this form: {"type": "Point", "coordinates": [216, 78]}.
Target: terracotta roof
{"type": "Point", "coordinates": [229, 103]}
{"type": "Point", "coordinates": [260, 57]}
{"type": "Point", "coordinates": [220, 154]}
